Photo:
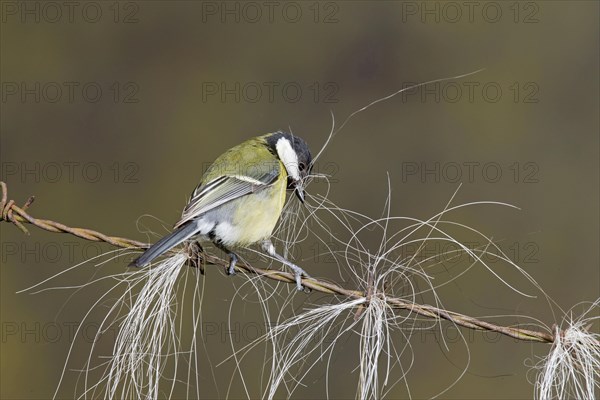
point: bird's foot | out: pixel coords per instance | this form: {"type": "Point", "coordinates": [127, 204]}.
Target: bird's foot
{"type": "Point", "coordinates": [196, 256]}
{"type": "Point", "coordinates": [298, 274]}
{"type": "Point", "coordinates": [230, 270]}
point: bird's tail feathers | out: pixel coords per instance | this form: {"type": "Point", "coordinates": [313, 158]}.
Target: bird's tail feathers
{"type": "Point", "coordinates": [165, 244]}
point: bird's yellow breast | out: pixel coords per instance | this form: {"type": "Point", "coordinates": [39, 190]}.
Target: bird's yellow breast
{"type": "Point", "coordinates": [256, 214]}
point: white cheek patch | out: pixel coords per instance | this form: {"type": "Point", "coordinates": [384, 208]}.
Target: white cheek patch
{"type": "Point", "coordinates": [288, 156]}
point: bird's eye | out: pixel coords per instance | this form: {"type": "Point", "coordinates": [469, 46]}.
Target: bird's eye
{"type": "Point", "coordinates": [302, 166]}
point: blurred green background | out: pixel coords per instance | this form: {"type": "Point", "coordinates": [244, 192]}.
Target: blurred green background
{"type": "Point", "coordinates": [110, 111]}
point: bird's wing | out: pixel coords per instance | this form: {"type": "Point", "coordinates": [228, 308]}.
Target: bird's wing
{"type": "Point", "coordinates": [224, 189]}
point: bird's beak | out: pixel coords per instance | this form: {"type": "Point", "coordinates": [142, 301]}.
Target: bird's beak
{"type": "Point", "coordinates": [300, 193]}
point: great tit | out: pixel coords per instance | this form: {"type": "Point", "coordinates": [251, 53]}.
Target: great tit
{"type": "Point", "coordinates": [240, 198]}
